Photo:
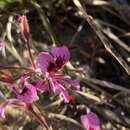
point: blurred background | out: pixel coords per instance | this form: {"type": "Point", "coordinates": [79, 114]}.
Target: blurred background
{"type": "Point", "coordinates": [97, 33]}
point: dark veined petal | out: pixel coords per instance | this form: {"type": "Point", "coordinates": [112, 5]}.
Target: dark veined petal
{"type": "Point", "coordinates": [60, 54]}
{"type": "Point", "coordinates": [45, 62]}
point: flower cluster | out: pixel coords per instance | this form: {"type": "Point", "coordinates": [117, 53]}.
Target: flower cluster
{"type": "Point", "coordinates": [47, 67]}
{"type": "Point", "coordinates": [49, 64]}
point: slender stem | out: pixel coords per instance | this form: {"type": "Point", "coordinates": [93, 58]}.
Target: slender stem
{"type": "Point", "coordinates": [26, 74]}
{"type": "Point", "coordinates": [5, 77]}
{"type": "Point", "coordinates": [17, 68]}
{"type": "Point", "coordinates": [30, 54]}
{"type": "Point", "coordinates": [6, 80]}
{"type": "Point", "coordinates": [1, 72]}
{"type": "Point", "coordinates": [36, 113]}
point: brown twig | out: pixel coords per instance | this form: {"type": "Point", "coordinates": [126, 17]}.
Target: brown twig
{"type": "Point", "coordinates": [102, 38]}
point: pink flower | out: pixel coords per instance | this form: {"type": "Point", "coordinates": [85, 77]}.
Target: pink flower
{"type": "Point", "coordinates": [28, 92]}
{"type": "Point", "coordinates": [49, 63]}
{"type": "Point", "coordinates": [90, 121]}
{"type": "Point", "coordinates": [24, 91]}
{"type": "Point", "coordinates": [40, 85]}
{"type": "Point", "coordinates": [24, 95]}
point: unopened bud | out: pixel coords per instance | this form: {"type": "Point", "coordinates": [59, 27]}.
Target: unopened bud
{"type": "Point", "coordinates": [24, 26]}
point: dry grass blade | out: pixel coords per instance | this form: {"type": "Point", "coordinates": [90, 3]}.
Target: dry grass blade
{"type": "Point", "coordinates": [103, 39]}
{"type": "Point", "coordinates": [79, 29]}
{"type": "Point", "coordinates": [95, 87]}
{"type": "Point", "coordinates": [116, 7]}
{"type": "Point", "coordinates": [45, 21]}
{"type": "Point", "coordinates": [11, 47]}
{"type": "Point", "coordinates": [2, 97]}
{"type": "Point", "coordinates": [97, 99]}
{"type": "Point", "coordinates": [117, 40]}
{"type": "Point", "coordinates": [100, 2]}
{"type": "Point", "coordinates": [65, 118]}
{"type": "Point", "coordinates": [107, 84]}
{"type": "Point", "coordinates": [57, 102]}
{"type": "Point", "coordinates": [101, 22]}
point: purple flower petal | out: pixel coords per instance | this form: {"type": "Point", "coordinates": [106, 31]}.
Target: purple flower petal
{"type": "Point", "coordinates": [74, 83]}
{"type": "Point", "coordinates": [43, 61]}
{"type": "Point", "coordinates": [61, 52]}
{"type": "Point", "coordinates": [90, 121]}
{"type": "Point", "coordinates": [66, 96]}
{"type": "Point", "coordinates": [59, 89]}
{"type": "Point", "coordinates": [40, 85]}
{"type": "Point", "coordinates": [28, 94]}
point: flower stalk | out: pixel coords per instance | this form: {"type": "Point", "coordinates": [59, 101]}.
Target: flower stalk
{"type": "Point", "coordinates": [38, 116]}
{"type": "Point", "coordinates": [30, 53]}
{"type": "Point", "coordinates": [14, 68]}
{"type": "Point", "coordinates": [25, 32]}
{"type": "Point", "coordinates": [43, 76]}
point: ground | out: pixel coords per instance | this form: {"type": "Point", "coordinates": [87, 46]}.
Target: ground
{"type": "Point", "coordinates": [104, 80]}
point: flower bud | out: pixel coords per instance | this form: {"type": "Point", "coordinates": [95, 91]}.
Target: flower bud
{"type": "Point", "coordinates": [24, 27]}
